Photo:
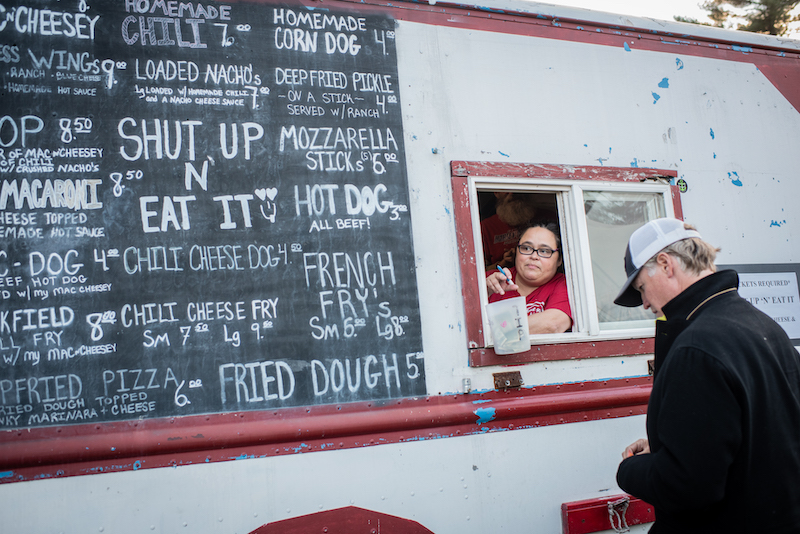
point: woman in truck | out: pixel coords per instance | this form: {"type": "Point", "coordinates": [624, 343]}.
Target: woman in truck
{"type": "Point", "coordinates": [536, 277]}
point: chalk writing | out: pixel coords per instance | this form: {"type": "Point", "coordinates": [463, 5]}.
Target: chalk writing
{"type": "Point", "coordinates": [203, 208]}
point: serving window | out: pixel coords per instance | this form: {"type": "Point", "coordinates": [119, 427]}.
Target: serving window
{"type": "Point", "coordinates": [595, 210]}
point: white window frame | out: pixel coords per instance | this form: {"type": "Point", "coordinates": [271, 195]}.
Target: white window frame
{"type": "Point", "coordinates": [577, 256]}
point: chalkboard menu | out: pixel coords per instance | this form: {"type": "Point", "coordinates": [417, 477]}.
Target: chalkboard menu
{"type": "Point", "coordinates": [204, 209]}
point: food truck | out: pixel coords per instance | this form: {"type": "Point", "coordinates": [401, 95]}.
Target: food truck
{"type": "Point", "coordinates": [242, 260]}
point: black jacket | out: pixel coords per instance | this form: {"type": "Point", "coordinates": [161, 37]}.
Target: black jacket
{"type": "Point", "coordinates": [723, 418]}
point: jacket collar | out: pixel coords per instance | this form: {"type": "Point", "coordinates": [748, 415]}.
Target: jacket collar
{"type": "Point", "coordinates": [682, 309]}
{"type": "Point", "coordinates": [689, 303]}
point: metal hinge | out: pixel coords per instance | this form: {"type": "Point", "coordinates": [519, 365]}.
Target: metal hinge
{"type": "Point", "coordinates": [512, 379]}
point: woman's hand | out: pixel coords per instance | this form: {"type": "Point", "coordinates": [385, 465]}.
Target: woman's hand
{"type": "Point", "coordinates": [498, 282]}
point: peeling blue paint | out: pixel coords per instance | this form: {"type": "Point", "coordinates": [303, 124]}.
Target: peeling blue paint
{"type": "Point", "coordinates": [491, 10]}
{"type": "Point", "coordinates": [627, 48]}
{"type": "Point", "coordinates": [482, 401]}
{"type": "Point", "coordinates": [735, 181]}
{"type": "Point", "coordinates": [743, 49]}
{"type": "Point", "coordinates": [711, 132]}
{"type": "Point", "coordinates": [777, 223]}
{"type": "Point", "coordinates": [506, 155]}
{"type": "Point", "coordinates": [635, 163]}
{"type": "Point", "coordinates": [591, 380]}
{"type": "Point", "coordinates": [485, 415]}
{"type": "Point", "coordinates": [6, 474]}
{"type": "Point", "coordinates": [679, 63]}
{"type": "Point", "coordinates": [715, 155]}
{"type": "Point", "coordinates": [656, 97]}
{"type": "Point", "coordinates": [664, 83]}
{"type": "Point", "coordinates": [137, 465]}
{"type": "Point", "coordinates": [423, 438]}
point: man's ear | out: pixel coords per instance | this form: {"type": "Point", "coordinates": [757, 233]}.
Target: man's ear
{"type": "Point", "coordinates": [666, 262]}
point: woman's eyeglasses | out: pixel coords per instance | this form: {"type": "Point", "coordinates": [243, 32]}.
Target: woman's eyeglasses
{"type": "Point", "coordinates": [527, 250]}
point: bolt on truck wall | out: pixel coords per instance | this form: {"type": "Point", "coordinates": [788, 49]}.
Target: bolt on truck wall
{"type": "Point", "coordinates": [242, 264]}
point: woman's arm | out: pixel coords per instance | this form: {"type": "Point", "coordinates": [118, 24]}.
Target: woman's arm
{"type": "Point", "coordinates": [550, 321]}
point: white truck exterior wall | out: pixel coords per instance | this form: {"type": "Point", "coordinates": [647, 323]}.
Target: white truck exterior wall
{"type": "Point", "coordinates": [498, 482]}
{"type": "Point", "coordinates": [486, 96]}
{"type": "Point", "coordinates": [581, 104]}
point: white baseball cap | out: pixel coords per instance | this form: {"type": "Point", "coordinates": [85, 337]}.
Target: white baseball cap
{"type": "Point", "coordinates": [646, 242]}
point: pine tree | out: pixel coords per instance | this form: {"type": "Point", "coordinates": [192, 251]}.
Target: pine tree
{"type": "Point", "coordinates": [762, 16]}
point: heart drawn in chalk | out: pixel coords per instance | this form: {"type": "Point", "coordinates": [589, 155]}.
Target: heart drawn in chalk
{"type": "Point", "coordinates": [263, 193]}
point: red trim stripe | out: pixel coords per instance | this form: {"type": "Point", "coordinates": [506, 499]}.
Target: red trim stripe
{"type": "Point", "coordinates": [84, 449]}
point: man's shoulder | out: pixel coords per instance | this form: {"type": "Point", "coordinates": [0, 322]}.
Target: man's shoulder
{"type": "Point", "coordinates": [731, 329]}
{"type": "Point", "coordinates": [494, 223]}
{"type": "Point", "coordinates": [731, 314]}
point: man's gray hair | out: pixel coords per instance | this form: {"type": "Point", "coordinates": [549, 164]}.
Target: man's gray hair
{"type": "Point", "coordinates": [694, 255]}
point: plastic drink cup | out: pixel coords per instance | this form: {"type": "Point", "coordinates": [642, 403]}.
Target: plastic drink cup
{"type": "Point", "coordinates": [508, 320]}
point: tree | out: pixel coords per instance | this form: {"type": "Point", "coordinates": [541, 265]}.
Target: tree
{"type": "Point", "coordinates": [761, 16]}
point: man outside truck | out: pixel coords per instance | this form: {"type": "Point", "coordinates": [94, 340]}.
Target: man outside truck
{"type": "Point", "coordinates": [722, 453]}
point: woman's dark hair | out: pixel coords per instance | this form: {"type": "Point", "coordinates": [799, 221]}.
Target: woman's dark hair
{"type": "Point", "coordinates": [547, 225]}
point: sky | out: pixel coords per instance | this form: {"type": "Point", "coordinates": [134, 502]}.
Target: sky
{"type": "Point", "coordinates": [657, 9]}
